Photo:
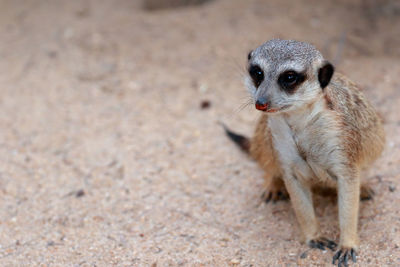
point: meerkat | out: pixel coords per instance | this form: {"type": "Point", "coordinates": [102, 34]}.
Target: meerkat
{"type": "Point", "coordinates": [317, 130]}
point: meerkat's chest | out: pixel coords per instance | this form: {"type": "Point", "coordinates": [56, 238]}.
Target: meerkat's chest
{"type": "Point", "coordinates": [307, 145]}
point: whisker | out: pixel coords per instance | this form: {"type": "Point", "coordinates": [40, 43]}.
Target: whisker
{"type": "Point", "coordinates": [239, 67]}
{"type": "Point", "coordinates": [241, 107]}
{"type": "Point", "coordinates": [244, 105]}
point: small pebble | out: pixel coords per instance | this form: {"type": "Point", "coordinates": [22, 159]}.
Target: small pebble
{"type": "Point", "coordinates": [80, 193]}
{"type": "Point", "coordinates": [392, 188]}
{"type": "Point", "coordinates": [314, 258]}
{"type": "Point", "coordinates": [205, 104]}
{"type": "Point", "coordinates": [235, 261]}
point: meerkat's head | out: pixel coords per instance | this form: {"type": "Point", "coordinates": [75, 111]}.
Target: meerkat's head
{"type": "Point", "coordinates": [285, 75]}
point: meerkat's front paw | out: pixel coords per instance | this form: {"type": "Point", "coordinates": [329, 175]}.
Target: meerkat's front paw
{"type": "Point", "coordinates": [322, 243]}
{"type": "Point", "coordinates": [343, 255]}
{"type": "Point", "coordinates": [275, 191]}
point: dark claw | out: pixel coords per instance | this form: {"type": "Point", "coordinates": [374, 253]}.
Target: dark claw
{"type": "Point", "coordinates": [266, 199]}
{"type": "Point", "coordinates": [367, 193]}
{"type": "Point", "coordinates": [284, 197]}
{"type": "Point", "coordinates": [320, 246]}
{"type": "Point", "coordinates": [336, 256]}
{"type": "Point", "coordinates": [279, 196]}
{"type": "Point", "coordinates": [269, 197]}
{"type": "Point", "coordinates": [366, 198]}
{"type": "Point", "coordinates": [353, 255]}
{"type": "Point", "coordinates": [346, 259]}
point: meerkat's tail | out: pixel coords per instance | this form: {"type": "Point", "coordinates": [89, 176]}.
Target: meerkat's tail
{"type": "Point", "coordinates": [241, 141]}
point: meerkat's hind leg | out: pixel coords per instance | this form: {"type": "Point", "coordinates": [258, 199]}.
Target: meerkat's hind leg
{"type": "Point", "coordinates": [366, 192]}
{"type": "Point", "coordinates": [274, 190]}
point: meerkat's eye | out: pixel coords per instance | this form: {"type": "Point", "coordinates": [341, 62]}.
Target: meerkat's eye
{"type": "Point", "coordinates": [290, 79]}
{"type": "Point", "coordinates": [256, 74]}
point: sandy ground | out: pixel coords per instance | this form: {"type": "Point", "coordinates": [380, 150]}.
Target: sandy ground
{"type": "Point", "coordinates": [107, 159]}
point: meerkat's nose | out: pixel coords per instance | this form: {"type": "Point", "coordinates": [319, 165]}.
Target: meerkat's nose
{"type": "Point", "coordinates": [261, 104]}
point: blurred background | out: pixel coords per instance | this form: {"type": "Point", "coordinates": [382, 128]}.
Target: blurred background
{"type": "Point", "coordinates": [110, 151]}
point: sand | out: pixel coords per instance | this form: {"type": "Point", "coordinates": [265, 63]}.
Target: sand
{"type": "Point", "coordinates": [107, 157]}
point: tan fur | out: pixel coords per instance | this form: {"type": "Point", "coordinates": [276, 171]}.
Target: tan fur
{"type": "Point", "coordinates": [363, 133]}
{"type": "Point", "coordinates": [262, 151]}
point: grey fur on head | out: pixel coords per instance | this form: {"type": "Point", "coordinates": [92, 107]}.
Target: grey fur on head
{"type": "Point", "coordinates": [276, 57]}
{"type": "Point", "coordinates": [278, 50]}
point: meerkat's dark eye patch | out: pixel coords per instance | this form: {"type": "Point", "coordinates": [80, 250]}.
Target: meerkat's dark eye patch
{"type": "Point", "coordinates": [290, 79]}
{"type": "Point", "coordinates": [256, 74]}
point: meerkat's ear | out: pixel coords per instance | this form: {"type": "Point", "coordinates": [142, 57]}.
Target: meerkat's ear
{"type": "Point", "coordinates": [249, 55]}
{"type": "Point", "coordinates": [325, 74]}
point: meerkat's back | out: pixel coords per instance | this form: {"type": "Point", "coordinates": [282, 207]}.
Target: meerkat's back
{"type": "Point", "coordinates": [363, 133]}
